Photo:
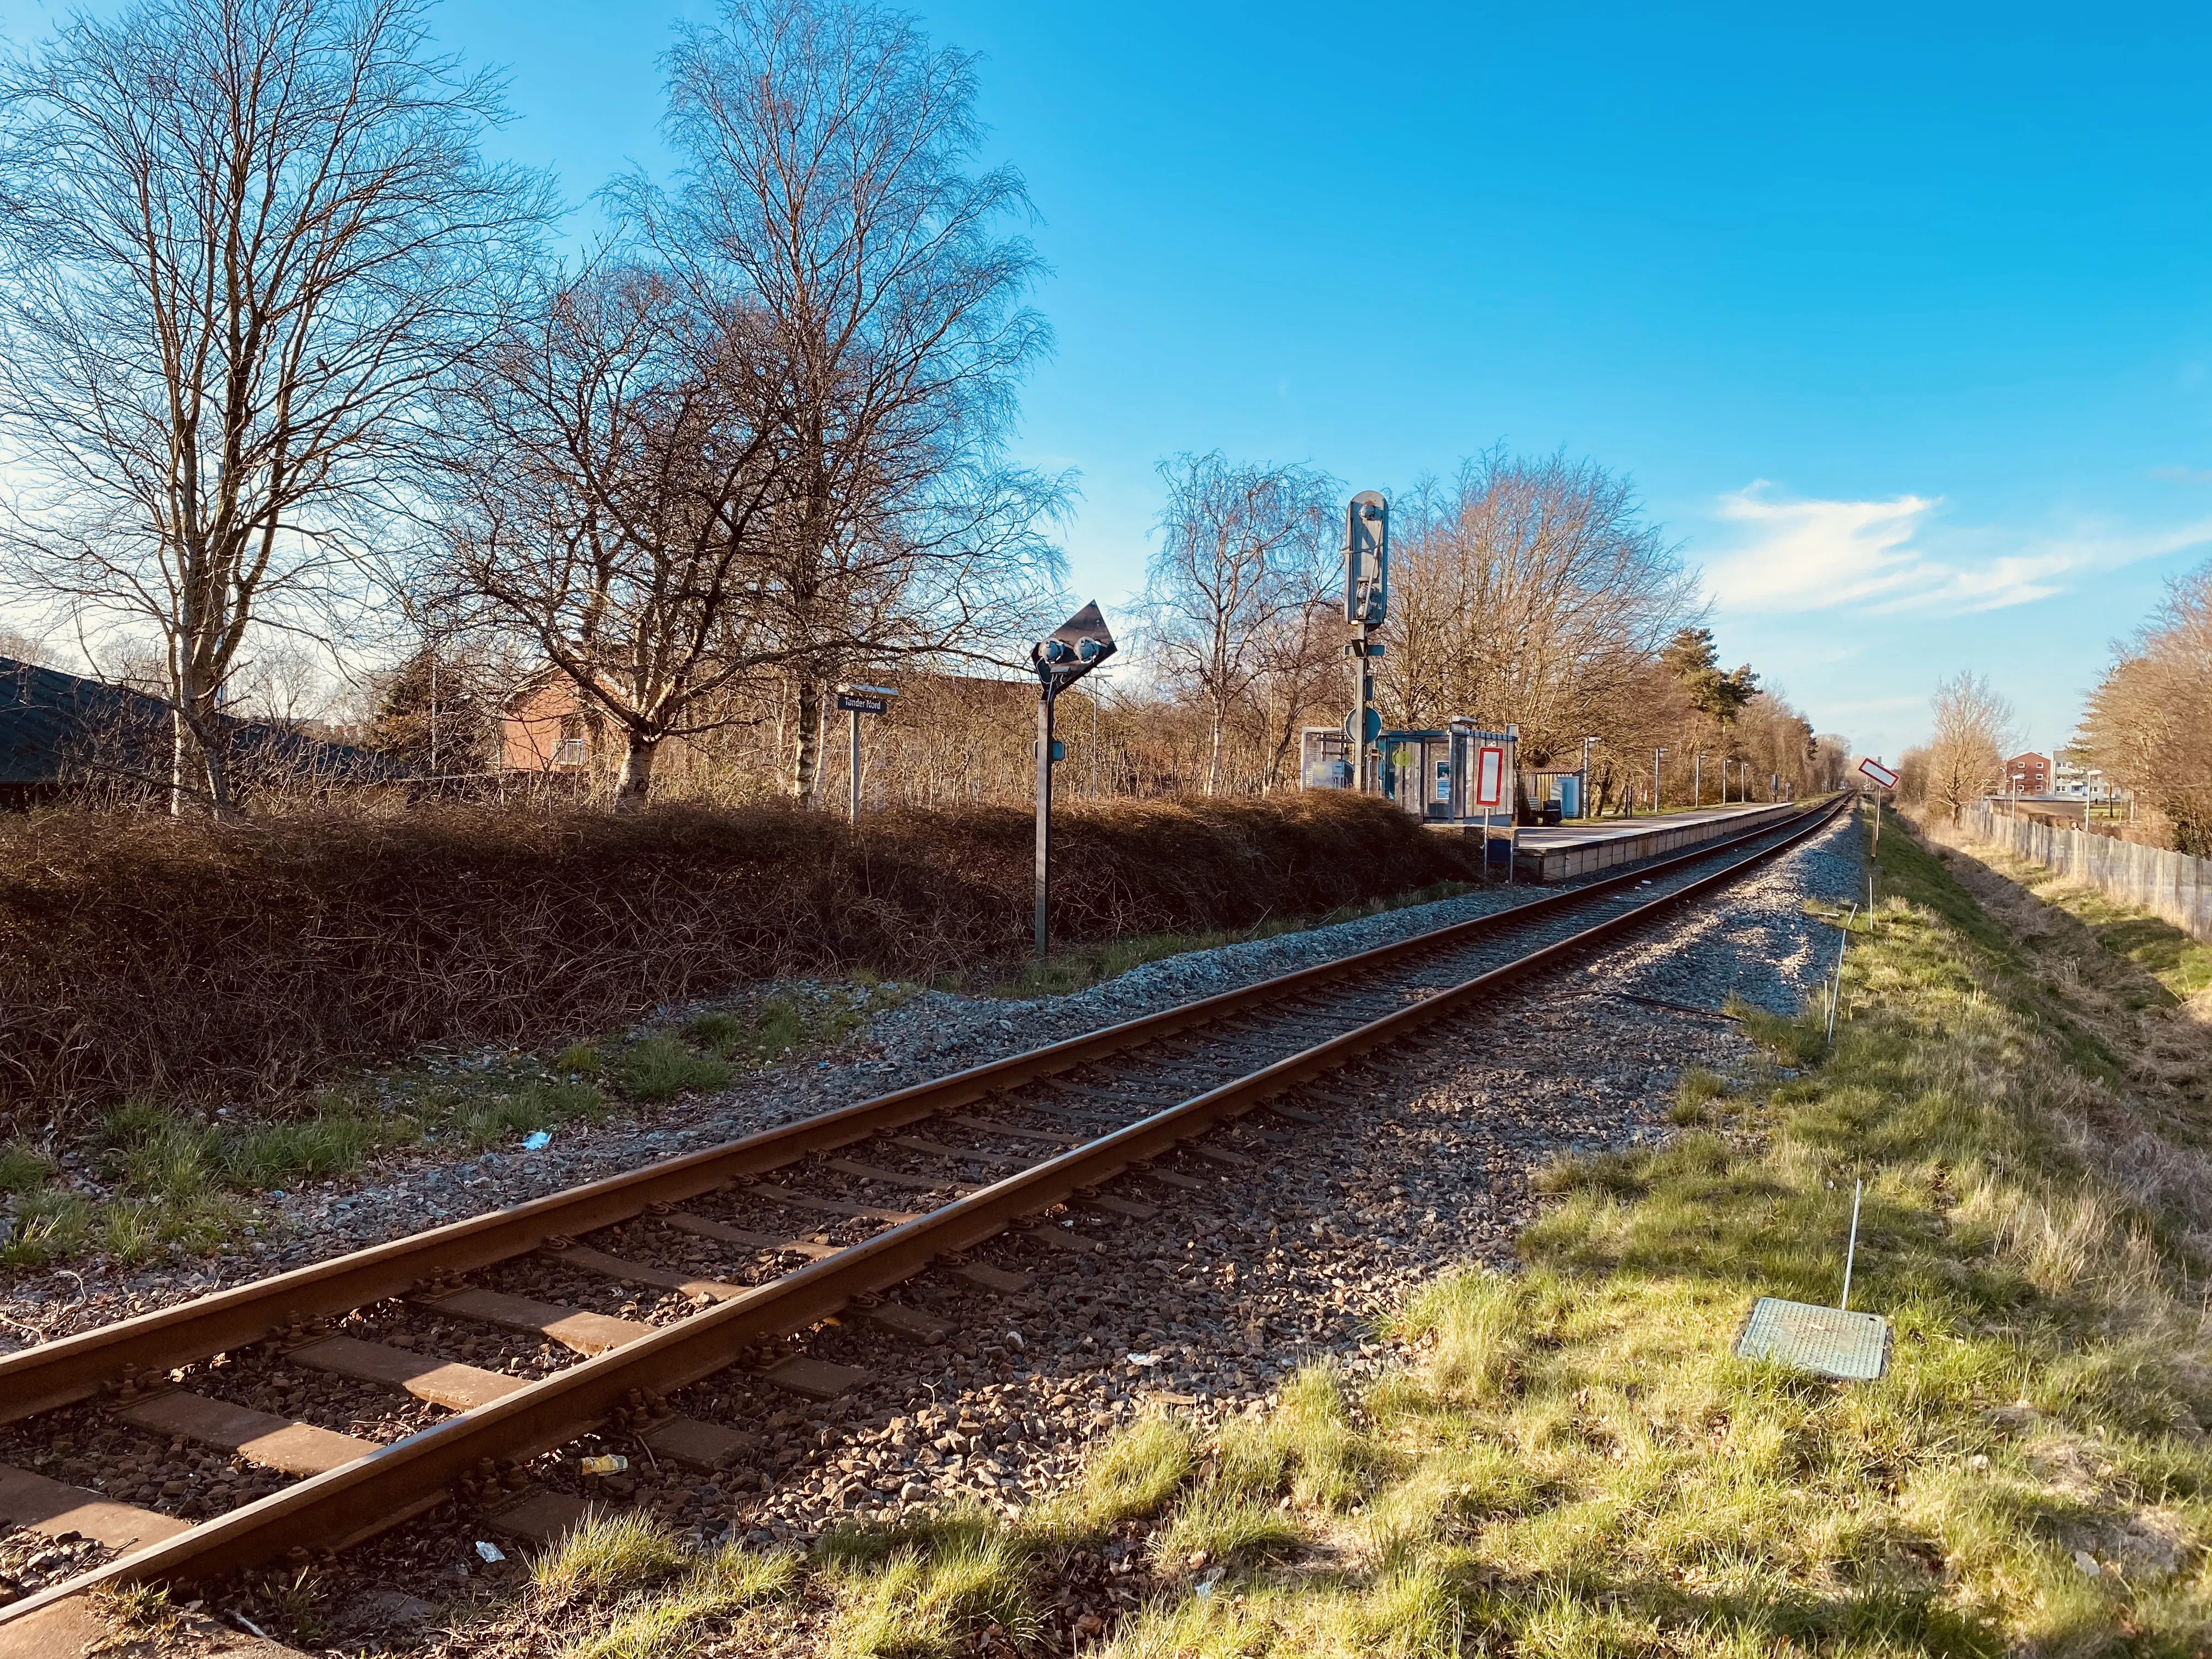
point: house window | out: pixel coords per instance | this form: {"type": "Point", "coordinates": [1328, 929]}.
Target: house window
{"type": "Point", "coordinates": [572, 751]}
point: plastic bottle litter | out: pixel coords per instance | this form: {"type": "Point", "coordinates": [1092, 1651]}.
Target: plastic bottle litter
{"type": "Point", "coordinates": [608, 1465]}
{"type": "Point", "coordinates": [491, 1552]}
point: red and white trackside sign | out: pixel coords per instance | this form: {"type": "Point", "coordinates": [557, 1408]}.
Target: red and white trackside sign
{"type": "Point", "coordinates": [1489, 777]}
{"type": "Point", "coordinates": [1878, 774]}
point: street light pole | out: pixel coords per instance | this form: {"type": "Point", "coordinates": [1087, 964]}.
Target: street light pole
{"type": "Point", "coordinates": [1584, 803]}
{"type": "Point", "coordinates": [1657, 755]}
{"type": "Point", "coordinates": [1698, 779]}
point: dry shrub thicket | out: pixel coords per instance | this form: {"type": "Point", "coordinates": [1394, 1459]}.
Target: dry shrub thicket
{"type": "Point", "coordinates": [185, 956]}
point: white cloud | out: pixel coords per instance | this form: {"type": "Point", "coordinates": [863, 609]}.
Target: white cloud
{"type": "Point", "coordinates": [1891, 556]}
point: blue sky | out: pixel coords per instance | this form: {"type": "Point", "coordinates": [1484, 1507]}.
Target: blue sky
{"type": "Point", "coordinates": [1899, 318]}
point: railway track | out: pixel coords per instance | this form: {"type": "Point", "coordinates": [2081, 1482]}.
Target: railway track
{"type": "Point", "coordinates": [816, 1219]}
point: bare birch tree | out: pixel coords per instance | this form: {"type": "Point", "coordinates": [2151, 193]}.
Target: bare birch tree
{"type": "Point", "coordinates": [1301, 678]}
{"type": "Point", "coordinates": [1242, 558]}
{"type": "Point", "coordinates": [240, 242]}
{"type": "Point", "coordinates": [827, 187]}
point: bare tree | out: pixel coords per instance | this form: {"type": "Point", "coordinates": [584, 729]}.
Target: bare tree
{"type": "Point", "coordinates": [2148, 725]}
{"type": "Point", "coordinates": [1301, 673]}
{"type": "Point", "coordinates": [27, 647]}
{"type": "Point", "coordinates": [826, 190]}
{"type": "Point", "coordinates": [1832, 761]}
{"type": "Point", "coordinates": [1775, 742]}
{"type": "Point", "coordinates": [242, 241]}
{"type": "Point", "coordinates": [1532, 592]}
{"type": "Point", "coordinates": [1912, 775]}
{"type": "Point", "coordinates": [1242, 556]}
{"type": "Point", "coordinates": [1972, 728]}
{"type": "Point", "coordinates": [625, 529]}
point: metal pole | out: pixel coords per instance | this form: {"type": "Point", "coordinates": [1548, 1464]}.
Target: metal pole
{"type": "Point", "coordinates": [1852, 1249]}
{"type": "Point", "coordinates": [1698, 779]}
{"type": "Point", "coordinates": [853, 814]}
{"type": "Point", "coordinates": [1354, 730]}
{"type": "Point", "coordinates": [1044, 819]}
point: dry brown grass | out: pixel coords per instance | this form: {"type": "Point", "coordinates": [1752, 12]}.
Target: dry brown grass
{"type": "Point", "coordinates": [189, 959]}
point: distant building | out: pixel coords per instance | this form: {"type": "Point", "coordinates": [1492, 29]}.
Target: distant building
{"type": "Point", "coordinates": [544, 728]}
{"type": "Point", "coordinates": [2078, 782]}
{"type": "Point", "coordinates": [2027, 775]}
{"type": "Point", "coordinates": [66, 738]}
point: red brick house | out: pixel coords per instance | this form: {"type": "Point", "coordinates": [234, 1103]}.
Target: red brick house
{"type": "Point", "coordinates": [2027, 775]}
{"type": "Point", "coordinates": [543, 728]}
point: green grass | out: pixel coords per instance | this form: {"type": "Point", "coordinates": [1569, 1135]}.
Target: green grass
{"type": "Point", "coordinates": [2179, 962]}
{"type": "Point", "coordinates": [662, 1067]}
{"type": "Point", "coordinates": [624, 1587]}
{"type": "Point", "coordinates": [610, 1554]}
{"type": "Point", "coordinates": [1090, 964]}
{"type": "Point", "coordinates": [186, 1181]}
{"type": "Point", "coordinates": [24, 1168]}
{"type": "Point", "coordinates": [926, 1589]}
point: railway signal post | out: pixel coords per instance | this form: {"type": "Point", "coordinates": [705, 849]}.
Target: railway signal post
{"type": "Point", "coordinates": [1366, 603]}
{"type": "Point", "coordinates": [1071, 651]}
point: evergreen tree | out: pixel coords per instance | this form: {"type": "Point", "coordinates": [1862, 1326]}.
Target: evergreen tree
{"type": "Point", "coordinates": [432, 716]}
{"type": "Point", "coordinates": [1690, 657]}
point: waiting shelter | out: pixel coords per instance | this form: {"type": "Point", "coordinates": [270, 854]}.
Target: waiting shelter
{"type": "Point", "coordinates": [1458, 780]}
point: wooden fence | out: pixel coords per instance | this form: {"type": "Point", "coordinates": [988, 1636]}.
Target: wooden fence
{"type": "Point", "coordinates": [2170, 884]}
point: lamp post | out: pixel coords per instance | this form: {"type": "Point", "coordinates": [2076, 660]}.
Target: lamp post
{"type": "Point", "coordinates": [1584, 803]}
{"type": "Point", "coordinates": [1657, 755]}
{"type": "Point", "coordinates": [1698, 779]}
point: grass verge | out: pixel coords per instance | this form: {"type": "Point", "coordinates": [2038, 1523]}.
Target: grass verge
{"type": "Point", "coordinates": [1572, 1463]}
{"type": "Point", "coordinates": [154, 1177]}
{"type": "Point", "coordinates": [2176, 963]}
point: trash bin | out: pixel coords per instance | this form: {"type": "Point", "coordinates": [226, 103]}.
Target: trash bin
{"type": "Point", "coordinates": [1550, 813]}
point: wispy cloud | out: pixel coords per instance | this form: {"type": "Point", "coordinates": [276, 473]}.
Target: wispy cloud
{"type": "Point", "coordinates": [1895, 555]}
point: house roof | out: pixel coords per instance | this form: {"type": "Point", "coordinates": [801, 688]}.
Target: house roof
{"type": "Point", "coordinates": [50, 722]}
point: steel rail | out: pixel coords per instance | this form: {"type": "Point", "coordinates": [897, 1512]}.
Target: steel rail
{"type": "Point", "coordinates": [401, 1479]}
{"type": "Point", "coordinates": [76, 1367]}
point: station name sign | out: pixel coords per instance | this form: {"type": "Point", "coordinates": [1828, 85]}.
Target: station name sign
{"type": "Point", "coordinates": [865, 699]}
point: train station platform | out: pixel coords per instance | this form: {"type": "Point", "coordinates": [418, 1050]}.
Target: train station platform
{"type": "Point", "coordinates": [1582, 849]}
